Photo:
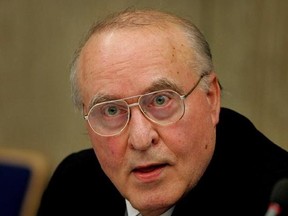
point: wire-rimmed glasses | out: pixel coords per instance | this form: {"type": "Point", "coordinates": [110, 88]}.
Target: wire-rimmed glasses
{"type": "Point", "coordinates": [163, 107]}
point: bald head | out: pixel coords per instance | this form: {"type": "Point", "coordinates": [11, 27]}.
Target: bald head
{"type": "Point", "coordinates": [148, 20]}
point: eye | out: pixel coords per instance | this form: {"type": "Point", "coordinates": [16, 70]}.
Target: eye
{"type": "Point", "coordinates": [113, 110]}
{"type": "Point", "coordinates": [160, 100]}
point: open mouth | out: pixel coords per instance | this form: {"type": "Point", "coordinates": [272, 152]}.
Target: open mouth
{"type": "Point", "coordinates": [148, 169]}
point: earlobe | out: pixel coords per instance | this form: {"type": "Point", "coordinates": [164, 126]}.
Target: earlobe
{"type": "Point", "coordinates": [214, 97]}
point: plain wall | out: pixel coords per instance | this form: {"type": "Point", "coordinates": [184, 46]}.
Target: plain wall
{"type": "Point", "coordinates": [37, 39]}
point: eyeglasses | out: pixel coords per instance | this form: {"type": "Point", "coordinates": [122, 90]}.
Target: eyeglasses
{"type": "Point", "coordinates": [162, 107]}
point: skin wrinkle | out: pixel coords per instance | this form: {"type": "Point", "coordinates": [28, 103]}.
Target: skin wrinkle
{"type": "Point", "coordinates": [87, 73]}
{"type": "Point", "coordinates": [144, 143]}
{"type": "Point", "coordinates": [160, 84]}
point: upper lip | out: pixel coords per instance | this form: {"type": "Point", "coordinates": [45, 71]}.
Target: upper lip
{"type": "Point", "coordinates": [148, 167]}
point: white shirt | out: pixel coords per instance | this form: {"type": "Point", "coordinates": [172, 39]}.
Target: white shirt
{"type": "Point", "coordinates": [134, 212]}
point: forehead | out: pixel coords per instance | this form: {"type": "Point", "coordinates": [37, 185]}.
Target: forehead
{"type": "Point", "coordinates": [113, 60]}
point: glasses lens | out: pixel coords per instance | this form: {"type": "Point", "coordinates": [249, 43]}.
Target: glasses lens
{"type": "Point", "coordinates": [162, 107]}
{"type": "Point", "coordinates": [109, 118]}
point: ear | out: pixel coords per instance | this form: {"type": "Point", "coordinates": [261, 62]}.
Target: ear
{"type": "Point", "coordinates": [214, 97]}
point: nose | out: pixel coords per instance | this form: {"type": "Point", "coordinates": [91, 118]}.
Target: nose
{"type": "Point", "coordinates": [142, 134]}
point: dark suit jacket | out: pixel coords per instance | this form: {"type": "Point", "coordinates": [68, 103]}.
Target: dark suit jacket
{"type": "Point", "coordinates": [238, 181]}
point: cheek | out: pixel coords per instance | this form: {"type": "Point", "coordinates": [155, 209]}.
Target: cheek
{"type": "Point", "coordinates": [187, 144]}
{"type": "Point", "coordinates": [193, 148]}
{"type": "Point", "coordinates": [109, 151]}
{"type": "Point", "coordinates": [193, 137]}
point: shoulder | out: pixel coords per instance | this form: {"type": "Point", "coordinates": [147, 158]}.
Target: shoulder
{"type": "Point", "coordinates": [82, 159]}
{"type": "Point", "coordinates": [240, 141]}
{"type": "Point", "coordinates": [79, 186]}
{"type": "Point", "coordinates": [237, 128]}
{"type": "Point", "coordinates": [231, 119]}
{"type": "Point", "coordinates": [80, 170]}
{"type": "Point", "coordinates": [245, 164]}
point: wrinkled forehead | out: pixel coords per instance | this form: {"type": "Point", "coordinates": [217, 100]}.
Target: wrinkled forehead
{"type": "Point", "coordinates": [112, 47]}
{"type": "Point", "coordinates": [129, 38]}
{"type": "Point", "coordinates": [114, 57]}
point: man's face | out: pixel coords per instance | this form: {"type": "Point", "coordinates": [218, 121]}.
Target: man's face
{"type": "Point", "coordinates": [151, 165]}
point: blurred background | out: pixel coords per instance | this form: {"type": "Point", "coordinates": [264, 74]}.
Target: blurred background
{"type": "Point", "coordinates": [248, 38]}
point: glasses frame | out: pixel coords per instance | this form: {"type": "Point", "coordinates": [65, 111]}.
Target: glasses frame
{"type": "Point", "coordinates": [182, 97]}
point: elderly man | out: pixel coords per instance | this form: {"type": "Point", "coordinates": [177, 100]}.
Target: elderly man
{"type": "Point", "coordinates": [162, 144]}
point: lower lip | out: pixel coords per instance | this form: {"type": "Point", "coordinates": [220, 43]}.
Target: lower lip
{"type": "Point", "coordinates": [150, 176]}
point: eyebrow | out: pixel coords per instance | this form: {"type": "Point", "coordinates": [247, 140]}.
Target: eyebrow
{"type": "Point", "coordinates": [163, 84]}
{"type": "Point", "coordinates": [160, 84]}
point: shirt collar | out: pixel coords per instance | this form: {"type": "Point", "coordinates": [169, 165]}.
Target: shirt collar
{"type": "Point", "coordinates": [130, 210]}
{"type": "Point", "coordinates": [134, 212]}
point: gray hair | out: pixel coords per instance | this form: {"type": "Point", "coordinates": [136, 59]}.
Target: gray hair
{"type": "Point", "coordinates": [145, 18]}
